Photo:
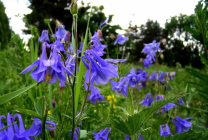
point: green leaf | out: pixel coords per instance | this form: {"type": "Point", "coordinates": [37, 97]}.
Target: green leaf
{"type": "Point", "coordinates": [38, 106]}
{"type": "Point", "coordinates": [7, 97]}
{"type": "Point", "coordinates": [130, 106]}
{"type": "Point", "coordinates": [194, 109]}
{"type": "Point", "coordinates": [81, 67]}
{"type": "Point", "coordinates": [29, 112]}
{"type": "Point", "coordinates": [7, 126]}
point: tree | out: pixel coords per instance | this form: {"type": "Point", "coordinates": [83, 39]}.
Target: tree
{"type": "Point", "coordinates": [5, 31]}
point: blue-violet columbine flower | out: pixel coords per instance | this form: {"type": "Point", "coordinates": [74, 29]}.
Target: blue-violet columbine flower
{"type": "Point", "coordinates": [105, 22]}
{"type": "Point", "coordinates": [151, 49]}
{"type": "Point", "coordinates": [120, 87]}
{"type": "Point", "coordinates": [120, 39]}
{"type": "Point", "coordinates": [76, 133]}
{"type": "Point", "coordinates": [182, 125]}
{"type": "Point", "coordinates": [180, 101]}
{"type": "Point", "coordinates": [102, 135]}
{"type": "Point", "coordinates": [164, 130]}
{"type": "Point", "coordinates": [95, 96]}
{"type": "Point", "coordinates": [44, 37]}
{"type": "Point", "coordinates": [148, 100]}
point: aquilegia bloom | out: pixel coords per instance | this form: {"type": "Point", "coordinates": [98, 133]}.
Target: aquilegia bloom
{"type": "Point", "coordinates": [120, 39]}
{"type": "Point", "coordinates": [102, 135]}
{"type": "Point", "coordinates": [44, 36]}
{"type": "Point", "coordinates": [148, 100]}
{"type": "Point", "coordinates": [13, 132]}
{"type": "Point", "coordinates": [105, 22]}
{"type": "Point", "coordinates": [182, 125]}
{"type": "Point", "coordinates": [164, 130]}
{"type": "Point", "coordinates": [151, 49]}
{"type": "Point", "coordinates": [180, 101]}
{"type": "Point", "coordinates": [95, 96]}
{"type": "Point", "coordinates": [101, 71]}
{"type": "Point", "coordinates": [76, 133]}
{"type": "Point", "coordinates": [120, 87]}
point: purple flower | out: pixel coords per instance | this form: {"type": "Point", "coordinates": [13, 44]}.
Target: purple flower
{"type": "Point", "coordinates": [147, 63]}
{"type": "Point", "coordinates": [180, 101]}
{"type": "Point", "coordinates": [159, 97]}
{"type": "Point", "coordinates": [58, 44]}
{"type": "Point", "coordinates": [151, 49]}
{"type": "Point", "coordinates": [48, 70]}
{"type": "Point", "coordinates": [44, 36]}
{"type": "Point", "coordinates": [36, 129]}
{"type": "Point", "coordinates": [67, 37]}
{"type": "Point", "coordinates": [133, 78]}
{"type": "Point", "coordinates": [154, 76]}
{"type": "Point", "coordinates": [76, 133]}
{"type": "Point", "coordinates": [14, 131]}
{"type": "Point", "coordinates": [101, 71]}
{"type": "Point", "coordinates": [182, 125]}
{"type": "Point", "coordinates": [148, 100]}
{"type": "Point", "coordinates": [105, 22]}
{"type": "Point", "coordinates": [97, 46]}
{"type": "Point", "coordinates": [120, 87]}
{"type": "Point", "coordinates": [167, 107]}
{"type": "Point", "coordinates": [129, 138]}
{"type": "Point", "coordinates": [164, 130]}
{"type": "Point", "coordinates": [102, 135]}
{"type": "Point", "coordinates": [95, 96]}
{"type": "Point", "coordinates": [60, 33]}
{"type": "Point", "coordinates": [162, 76]}
{"type": "Point", "coordinates": [120, 39]}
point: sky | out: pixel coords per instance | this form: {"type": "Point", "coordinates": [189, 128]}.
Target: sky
{"type": "Point", "coordinates": [124, 11]}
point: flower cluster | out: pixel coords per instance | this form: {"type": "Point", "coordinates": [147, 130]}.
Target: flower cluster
{"type": "Point", "coordinates": [14, 132]}
{"type": "Point", "coordinates": [150, 49]}
{"type": "Point", "coordinates": [182, 125]}
{"type": "Point", "coordinates": [52, 69]}
{"type": "Point", "coordinates": [99, 70]}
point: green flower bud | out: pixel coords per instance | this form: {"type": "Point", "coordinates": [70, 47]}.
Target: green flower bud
{"type": "Point", "coordinates": [74, 8]}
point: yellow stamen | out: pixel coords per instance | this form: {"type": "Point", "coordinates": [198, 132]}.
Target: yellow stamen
{"type": "Point", "coordinates": [48, 77]}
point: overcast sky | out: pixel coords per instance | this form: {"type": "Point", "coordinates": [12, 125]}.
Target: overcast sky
{"type": "Point", "coordinates": [137, 11]}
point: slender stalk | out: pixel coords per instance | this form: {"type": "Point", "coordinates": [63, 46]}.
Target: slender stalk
{"type": "Point", "coordinates": [88, 89]}
{"type": "Point", "coordinates": [75, 71]}
{"type": "Point", "coordinates": [44, 121]}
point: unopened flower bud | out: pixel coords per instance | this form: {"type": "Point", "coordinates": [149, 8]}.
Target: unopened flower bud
{"type": "Point", "coordinates": [164, 41]}
{"type": "Point", "coordinates": [54, 103]}
{"type": "Point", "coordinates": [51, 132]}
{"type": "Point", "coordinates": [141, 60]}
{"type": "Point", "coordinates": [112, 36]}
{"type": "Point", "coordinates": [74, 8]}
{"type": "Point", "coordinates": [161, 56]}
{"type": "Point", "coordinates": [67, 37]}
{"type": "Point", "coordinates": [99, 32]}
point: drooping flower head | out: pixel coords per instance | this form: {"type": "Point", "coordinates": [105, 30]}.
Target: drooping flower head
{"type": "Point", "coordinates": [105, 22]}
{"type": "Point", "coordinates": [147, 63]}
{"type": "Point", "coordinates": [101, 71]}
{"type": "Point", "coordinates": [164, 130]}
{"type": "Point", "coordinates": [97, 46]}
{"type": "Point", "coordinates": [95, 96]}
{"type": "Point", "coordinates": [102, 135]}
{"type": "Point", "coordinates": [180, 101]}
{"type": "Point", "coordinates": [133, 78]}
{"type": "Point", "coordinates": [148, 100]}
{"type": "Point", "coordinates": [44, 36]}
{"type": "Point", "coordinates": [182, 125]}
{"type": "Point", "coordinates": [76, 133]}
{"type": "Point", "coordinates": [154, 76]}
{"type": "Point", "coordinates": [167, 107]}
{"type": "Point", "coordinates": [151, 49]}
{"type": "Point", "coordinates": [120, 87]}
{"type": "Point", "coordinates": [120, 39]}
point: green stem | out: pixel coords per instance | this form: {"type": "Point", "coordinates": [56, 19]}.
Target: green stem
{"type": "Point", "coordinates": [44, 121]}
{"type": "Point", "coordinates": [75, 71]}
{"type": "Point", "coordinates": [50, 28]}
